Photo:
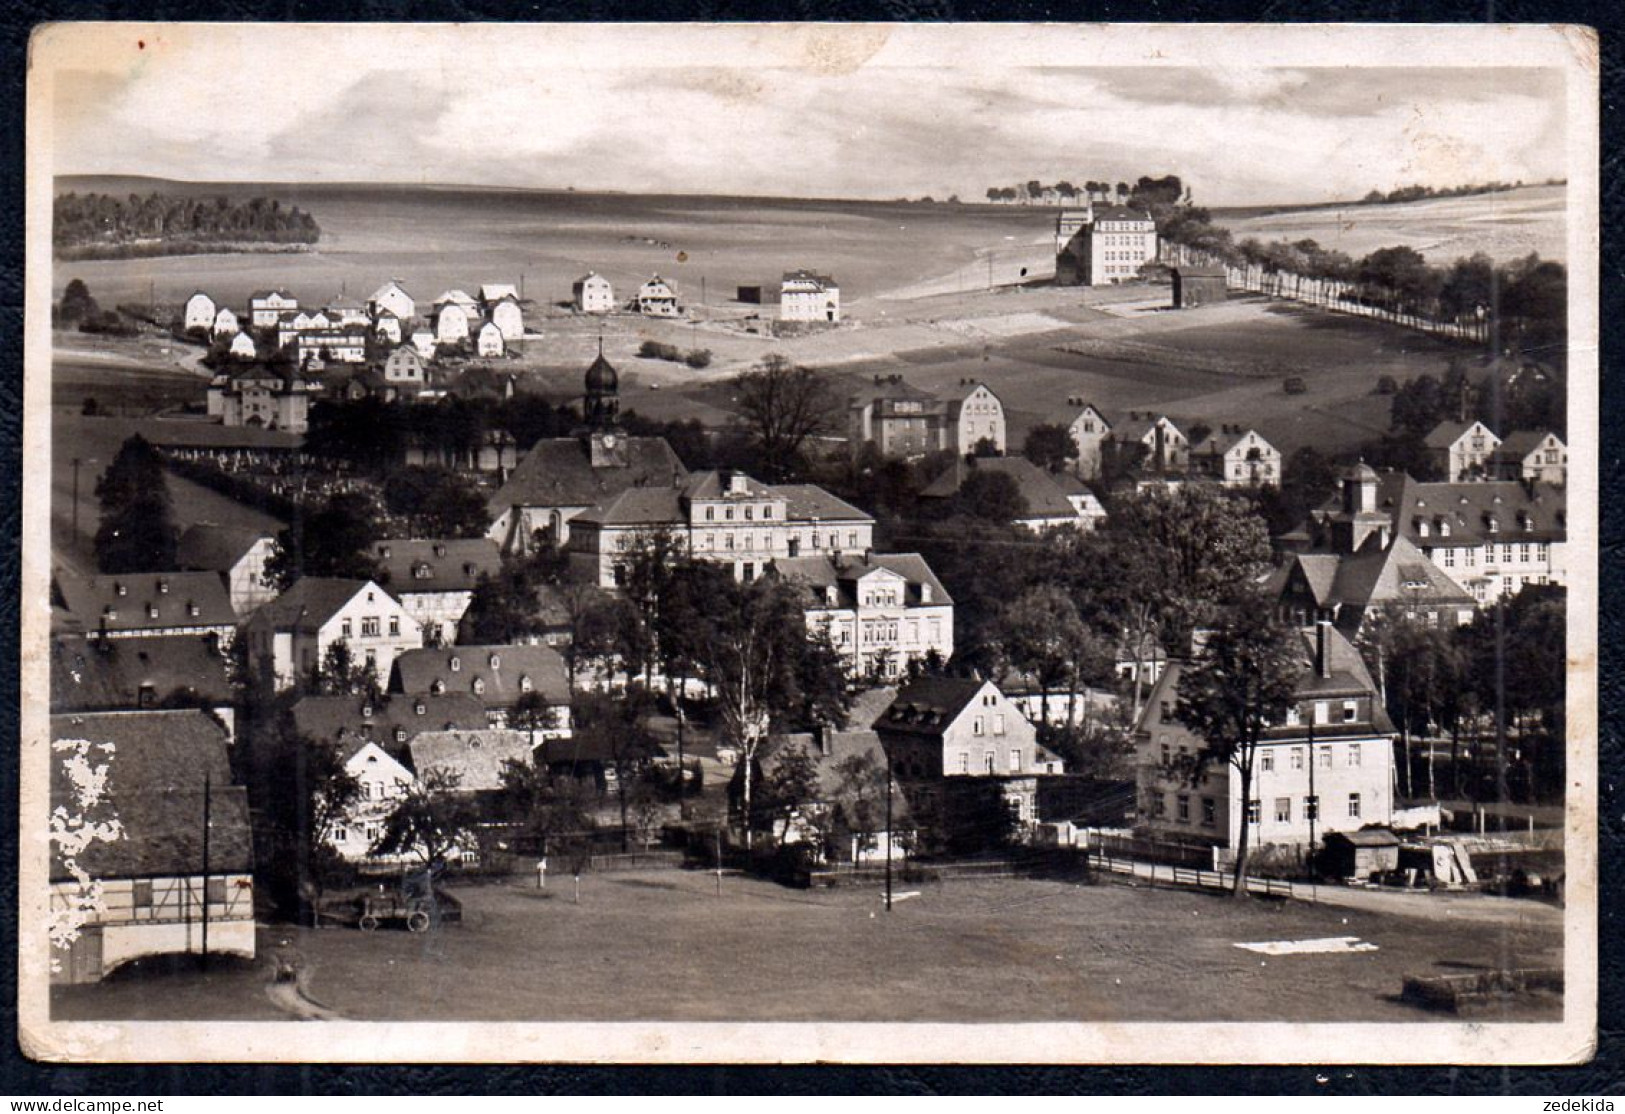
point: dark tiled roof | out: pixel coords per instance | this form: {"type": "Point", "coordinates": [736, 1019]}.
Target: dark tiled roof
{"type": "Point", "coordinates": [476, 757]}
{"type": "Point", "coordinates": [310, 602]}
{"type": "Point", "coordinates": [806, 501]}
{"type": "Point", "coordinates": [147, 601]}
{"type": "Point", "coordinates": [558, 472]}
{"type": "Point", "coordinates": [1045, 498]}
{"type": "Point", "coordinates": [1520, 443]}
{"type": "Point", "coordinates": [216, 548]}
{"type": "Point", "coordinates": [435, 564]}
{"type": "Point", "coordinates": [419, 670]}
{"type": "Point", "coordinates": [841, 747]}
{"type": "Point", "coordinates": [106, 674]}
{"type": "Point", "coordinates": [1523, 512]}
{"type": "Point", "coordinates": [638, 506]}
{"type": "Point", "coordinates": [345, 719]}
{"type": "Point", "coordinates": [1446, 434]}
{"type": "Point", "coordinates": [156, 766]}
{"type": "Point", "coordinates": [927, 706]}
{"type": "Point", "coordinates": [823, 572]}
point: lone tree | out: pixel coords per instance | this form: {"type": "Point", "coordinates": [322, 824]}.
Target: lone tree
{"type": "Point", "coordinates": [1050, 446]}
{"type": "Point", "coordinates": [137, 532]}
{"type": "Point", "coordinates": [333, 541]}
{"type": "Point", "coordinates": [1242, 683]}
{"type": "Point", "coordinates": [782, 406]}
{"type": "Point", "coordinates": [434, 820]}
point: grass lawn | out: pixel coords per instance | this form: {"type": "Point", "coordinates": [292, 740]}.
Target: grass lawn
{"type": "Point", "coordinates": [663, 946]}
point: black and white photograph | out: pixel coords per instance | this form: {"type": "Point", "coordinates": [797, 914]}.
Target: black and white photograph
{"type": "Point", "coordinates": [810, 542]}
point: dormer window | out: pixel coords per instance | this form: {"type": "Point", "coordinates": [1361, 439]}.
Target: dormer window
{"type": "Point", "coordinates": [419, 708]}
{"type": "Point", "coordinates": [1444, 527]}
{"type": "Point", "coordinates": [163, 587]}
{"type": "Point", "coordinates": [439, 550]}
{"type": "Point", "coordinates": [366, 711]}
{"type": "Point", "coordinates": [421, 572]}
{"type": "Point", "coordinates": [478, 686]}
{"type": "Point", "coordinates": [110, 611]}
{"type": "Point", "coordinates": [152, 611]}
{"type": "Point", "coordinates": [1421, 525]}
{"type": "Point", "coordinates": [1492, 524]}
{"type": "Point", "coordinates": [496, 662]}
{"type": "Point", "coordinates": [524, 683]}
{"type": "Point", "coordinates": [383, 551]}
{"type": "Point", "coordinates": [455, 664]}
{"type": "Point", "coordinates": [438, 688]}
{"type": "Point", "coordinates": [120, 589]}
{"type": "Point", "coordinates": [400, 734]}
{"type": "Point", "coordinates": [192, 609]}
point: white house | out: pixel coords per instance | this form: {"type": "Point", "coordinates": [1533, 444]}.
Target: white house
{"type": "Point", "coordinates": [489, 341]}
{"type": "Point", "coordinates": [507, 316]}
{"type": "Point", "coordinates": [493, 292]}
{"type": "Point", "coordinates": [387, 328]}
{"type": "Point", "coordinates": [1533, 455]}
{"type": "Point", "coordinates": [434, 578]}
{"type": "Point", "coordinates": [1107, 245]}
{"type": "Point", "coordinates": [392, 298]}
{"type": "Point", "coordinates": [593, 294]}
{"type": "Point", "coordinates": [340, 345]}
{"type": "Point", "coordinates": [384, 781]}
{"type": "Point", "coordinates": [266, 307]}
{"type": "Point", "coordinates": [974, 414]}
{"type": "Point", "coordinates": [1088, 430]}
{"type": "Point", "coordinates": [225, 323]}
{"type": "Point", "coordinates": [883, 611]}
{"type": "Point", "coordinates": [199, 313]}
{"type": "Point", "coordinates": [1238, 458]}
{"type": "Point", "coordinates": [239, 555]}
{"type": "Point", "coordinates": [450, 322]}
{"type": "Point", "coordinates": [242, 346]}
{"type": "Point", "coordinates": [404, 365]}
{"type": "Point", "coordinates": [805, 296]}
{"type": "Point", "coordinates": [289, 637]}
{"type": "Point", "coordinates": [1463, 450]}
{"type": "Point", "coordinates": [425, 343]}
{"type": "Point", "coordinates": [346, 311]}
{"type": "Point", "coordinates": [656, 298]}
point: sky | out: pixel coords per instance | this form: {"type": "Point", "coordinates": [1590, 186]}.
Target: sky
{"type": "Point", "coordinates": [864, 112]}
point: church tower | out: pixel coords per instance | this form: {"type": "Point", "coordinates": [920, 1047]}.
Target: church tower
{"type": "Point", "coordinates": [602, 407]}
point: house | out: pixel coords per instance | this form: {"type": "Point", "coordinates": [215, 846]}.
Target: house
{"type": "Point", "coordinates": [289, 637]}
{"type": "Point", "coordinates": [225, 323]}
{"type": "Point", "coordinates": [293, 324]}
{"type": "Point", "coordinates": [475, 760]}
{"type": "Point", "coordinates": [883, 611]}
{"type": "Point", "coordinates": [1328, 767]}
{"type": "Point", "coordinates": [386, 329]}
{"type": "Point", "coordinates": [1237, 457]}
{"type": "Point", "coordinates": [266, 307]}
{"type": "Point", "coordinates": [389, 721]}
{"type": "Point", "coordinates": [1533, 455]}
{"type": "Point", "coordinates": [458, 298]}
{"type": "Point", "coordinates": [1386, 575]}
{"type": "Point", "coordinates": [1052, 500]}
{"type": "Point", "coordinates": [199, 312]}
{"type": "Point", "coordinates": [1359, 854]}
{"type": "Point", "coordinates": [563, 476]}
{"type": "Point", "coordinates": [1463, 450]}
{"type": "Point", "coordinates": [405, 365]}
{"type": "Point", "coordinates": [242, 347]}
{"type": "Point", "coordinates": [1199, 286]}
{"type": "Point", "coordinates": [805, 296]}
{"type": "Point", "coordinates": [846, 819]}
{"type": "Point", "coordinates": [493, 292]}
{"type": "Point", "coordinates": [488, 341]}
{"type": "Point", "coordinates": [237, 554]}
{"type": "Point", "coordinates": [392, 298]}
{"type": "Point", "coordinates": [897, 419]}
{"type": "Point", "coordinates": [149, 605]}
{"type": "Point", "coordinates": [345, 344]}
{"type": "Point", "coordinates": [593, 293]}
{"type": "Point", "coordinates": [1057, 704]}
{"type": "Point", "coordinates": [451, 320]}
{"type": "Point", "coordinates": [425, 342]}
{"type": "Point", "coordinates": [1491, 537]}
{"type": "Point", "coordinates": [964, 727]}
{"type": "Point", "coordinates": [975, 414]}
{"type": "Point", "coordinates": [498, 676]}
{"type": "Point", "coordinates": [656, 298]}
{"type": "Point", "coordinates": [384, 781]}
{"type": "Point", "coordinates": [434, 578]}
{"type": "Point", "coordinates": [90, 674]}
{"type": "Point", "coordinates": [353, 384]}
{"type": "Point", "coordinates": [1147, 443]}
{"type": "Point", "coordinates": [154, 855]}
{"type": "Point", "coordinates": [1109, 246]}
{"type": "Point", "coordinates": [346, 311]}
{"type": "Point", "coordinates": [262, 397]}
{"type": "Point", "coordinates": [726, 518]}
{"type": "Point", "coordinates": [1089, 431]}
{"type": "Point", "coordinates": [508, 318]}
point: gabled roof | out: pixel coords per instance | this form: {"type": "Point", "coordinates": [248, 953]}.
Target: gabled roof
{"type": "Point", "coordinates": [343, 302]}
{"type": "Point", "coordinates": [1520, 443]}
{"type": "Point", "coordinates": [496, 291]}
{"type": "Point", "coordinates": [929, 705]}
{"type": "Point", "coordinates": [434, 564]}
{"type": "Point", "coordinates": [589, 276]}
{"type": "Point", "coordinates": [830, 756]}
{"type": "Point", "coordinates": [824, 572]}
{"type": "Point", "coordinates": [384, 290]}
{"type": "Point", "coordinates": [804, 502]}
{"type": "Point", "coordinates": [558, 472]}
{"type": "Point", "coordinates": [502, 670]}
{"type": "Point", "coordinates": [156, 766]}
{"type": "Point", "coordinates": [458, 297]}
{"type": "Point", "coordinates": [477, 758]}
{"type": "Point", "coordinates": [821, 282]}
{"type": "Point", "coordinates": [1446, 434]}
{"type": "Point", "coordinates": [1221, 441]}
{"type": "Point", "coordinates": [261, 295]}
{"type": "Point", "coordinates": [212, 548]}
{"type": "Point", "coordinates": [1044, 495]}
{"type": "Point", "coordinates": [1523, 512]}
{"type": "Point", "coordinates": [147, 601]}
{"type": "Point", "coordinates": [118, 673]}
{"type": "Point", "coordinates": [959, 392]}
{"type": "Point", "coordinates": [1136, 427]}
{"type": "Point", "coordinates": [1120, 212]}
{"type": "Point", "coordinates": [311, 602]}
{"type": "Point", "coordinates": [637, 506]}
{"type": "Point", "coordinates": [352, 721]}
{"type": "Point", "coordinates": [1400, 573]}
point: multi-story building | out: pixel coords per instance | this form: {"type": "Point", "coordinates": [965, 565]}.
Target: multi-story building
{"type": "Point", "coordinates": [726, 518]}
{"type": "Point", "coordinates": [1533, 455]}
{"type": "Point", "coordinates": [1110, 246]}
{"type": "Point", "coordinates": [1327, 767]}
{"type": "Point", "coordinates": [488, 341]}
{"type": "Point", "coordinates": [499, 677]}
{"type": "Point", "coordinates": [883, 611]}
{"type": "Point", "coordinates": [289, 637]}
{"type": "Point", "coordinates": [593, 293]}
{"type": "Point", "coordinates": [505, 313]}
{"type": "Point", "coordinates": [405, 366]}
{"type": "Point", "coordinates": [1237, 457]}
{"type": "Point", "coordinates": [392, 298]}
{"type": "Point", "coordinates": [238, 555]}
{"type": "Point", "coordinates": [656, 298]}
{"type": "Point", "coordinates": [346, 311]}
{"type": "Point", "coordinates": [225, 323]}
{"type": "Point", "coordinates": [1089, 430]}
{"type": "Point", "coordinates": [901, 420]}
{"type": "Point", "coordinates": [805, 296]}
{"type": "Point", "coordinates": [1463, 450]}
{"type": "Point", "coordinates": [263, 398]}
{"type": "Point", "coordinates": [199, 312]}
{"type": "Point", "coordinates": [345, 344]}
{"type": "Point", "coordinates": [434, 578]}
{"type": "Point", "coordinates": [266, 307]}
{"type": "Point", "coordinates": [975, 414]}
{"type": "Point", "coordinates": [1051, 501]}
{"type": "Point", "coordinates": [148, 605]}
{"type": "Point", "coordinates": [451, 321]}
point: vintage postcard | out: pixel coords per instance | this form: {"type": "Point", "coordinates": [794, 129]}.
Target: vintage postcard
{"type": "Point", "coordinates": [775, 543]}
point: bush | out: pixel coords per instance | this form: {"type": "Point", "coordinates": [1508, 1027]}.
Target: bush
{"type": "Point", "coordinates": [698, 358]}
{"type": "Point", "coordinates": [655, 350]}
{"type": "Point", "coordinates": [1387, 385]}
{"type": "Point", "coordinates": [108, 323]}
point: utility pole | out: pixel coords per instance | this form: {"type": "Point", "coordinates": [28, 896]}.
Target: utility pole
{"type": "Point", "coordinates": [76, 463]}
{"type": "Point", "coordinates": [1314, 801]}
{"type": "Point", "coordinates": [205, 870]}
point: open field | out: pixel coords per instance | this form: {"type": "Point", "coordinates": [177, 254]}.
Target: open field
{"type": "Point", "coordinates": [663, 946]}
{"type": "Point", "coordinates": [1503, 226]}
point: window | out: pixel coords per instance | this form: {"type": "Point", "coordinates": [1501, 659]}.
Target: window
{"type": "Point", "coordinates": [1351, 710]}
{"type": "Point", "coordinates": [1266, 761]}
{"type": "Point", "coordinates": [728, 513]}
{"type": "Point", "coordinates": [1293, 716]}
{"type": "Point", "coordinates": [1450, 558]}
{"type": "Point", "coordinates": [1015, 761]}
{"type": "Point", "coordinates": [767, 511]}
{"type": "Point", "coordinates": [214, 891]}
{"type": "Point", "coordinates": [1252, 811]}
{"type": "Point", "coordinates": [479, 686]}
{"type": "Point", "coordinates": [964, 762]}
{"type": "Point", "coordinates": [1323, 712]}
{"type": "Point", "coordinates": [998, 723]}
{"type": "Point", "coordinates": [1159, 805]}
{"type": "Point", "coordinates": [710, 514]}
{"type": "Point", "coordinates": [1311, 808]}
{"type": "Point", "coordinates": [977, 725]}
{"type": "Point", "coordinates": [341, 834]}
{"type": "Point", "coordinates": [1182, 809]}
{"type": "Point", "coordinates": [1354, 806]}
{"type": "Point", "coordinates": [852, 541]}
{"type": "Point", "coordinates": [1354, 754]}
{"type": "Point", "coordinates": [1297, 758]}
{"type": "Point", "coordinates": [524, 682]}
{"type": "Point", "coordinates": [394, 625]}
{"type": "Point", "coordinates": [1166, 754]}
{"type": "Point", "coordinates": [987, 761]}
{"type": "Point", "coordinates": [1209, 812]}
{"type": "Point", "coordinates": [1283, 810]}
{"type": "Point", "coordinates": [369, 627]}
{"type": "Point", "coordinates": [141, 894]}
{"type": "Point", "coordinates": [749, 572]}
{"type": "Point", "coordinates": [1325, 757]}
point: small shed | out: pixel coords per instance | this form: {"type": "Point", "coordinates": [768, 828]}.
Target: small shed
{"type": "Point", "coordinates": [1360, 854]}
{"type": "Point", "coordinates": [750, 295]}
{"type": "Point", "coordinates": [1198, 286]}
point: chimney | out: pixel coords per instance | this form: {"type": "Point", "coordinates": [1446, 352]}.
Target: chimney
{"type": "Point", "coordinates": [1323, 648]}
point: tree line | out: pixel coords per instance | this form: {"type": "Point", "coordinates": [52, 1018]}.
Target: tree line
{"type": "Point", "coordinates": [1403, 194]}
{"type": "Point", "coordinates": [102, 219]}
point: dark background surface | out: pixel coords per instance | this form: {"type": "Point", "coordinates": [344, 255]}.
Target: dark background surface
{"type": "Point", "coordinates": [1603, 1076]}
